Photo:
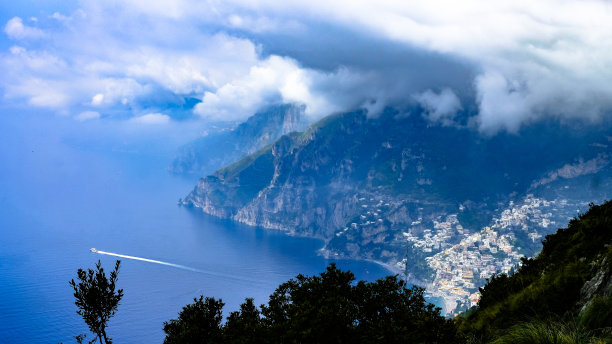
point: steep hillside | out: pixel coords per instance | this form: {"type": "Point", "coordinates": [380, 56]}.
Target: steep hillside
{"type": "Point", "coordinates": [445, 204]}
{"type": "Point", "coordinates": [209, 153]}
{"type": "Point", "coordinates": [570, 282]}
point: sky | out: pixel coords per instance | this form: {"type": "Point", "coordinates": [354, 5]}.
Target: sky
{"type": "Point", "coordinates": [504, 64]}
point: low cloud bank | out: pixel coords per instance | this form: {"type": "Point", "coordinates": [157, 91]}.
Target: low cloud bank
{"type": "Point", "coordinates": [519, 61]}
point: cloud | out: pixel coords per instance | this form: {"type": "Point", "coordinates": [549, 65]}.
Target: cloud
{"type": "Point", "coordinates": [439, 107]}
{"type": "Point", "coordinates": [151, 118]}
{"type": "Point", "coordinates": [87, 115]}
{"type": "Point", "coordinates": [569, 171]}
{"type": "Point", "coordinates": [95, 66]}
{"type": "Point", "coordinates": [281, 79]}
{"type": "Point", "coordinates": [502, 103]}
{"type": "Point", "coordinates": [97, 99]}
{"type": "Point", "coordinates": [91, 67]}
{"type": "Point", "coordinates": [263, 24]}
{"type": "Point", "coordinates": [59, 16]}
{"type": "Point", "coordinates": [15, 29]}
{"type": "Point", "coordinates": [538, 59]}
{"type": "Point", "coordinates": [518, 61]}
{"type": "Point", "coordinates": [273, 80]}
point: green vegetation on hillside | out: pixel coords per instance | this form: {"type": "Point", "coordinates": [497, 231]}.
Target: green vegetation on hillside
{"type": "Point", "coordinates": [566, 287]}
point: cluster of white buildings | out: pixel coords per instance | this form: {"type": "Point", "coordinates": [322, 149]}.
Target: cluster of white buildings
{"type": "Point", "coordinates": [437, 239]}
{"type": "Point", "coordinates": [461, 268]}
{"type": "Point", "coordinates": [372, 214]}
{"type": "Point", "coordinates": [461, 259]}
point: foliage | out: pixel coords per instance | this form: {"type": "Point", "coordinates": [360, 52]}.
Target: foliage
{"type": "Point", "coordinates": [598, 314]}
{"type": "Point", "coordinates": [327, 308]}
{"type": "Point", "coordinates": [199, 322]}
{"type": "Point", "coordinates": [97, 299]}
{"type": "Point", "coordinates": [539, 332]}
{"type": "Point", "coordinates": [244, 326]}
{"type": "Point", "coordinates": [549, 285]}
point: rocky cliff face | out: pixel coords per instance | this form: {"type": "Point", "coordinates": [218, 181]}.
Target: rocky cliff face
{"type": "Point", "coordinates": [291, 185]}
{"type": "Point", "coordinates": [390, 187]}
{"type": "Point", "coordinates": [209, 153]}
{"type": "Point", "coordinates": [598, 286]}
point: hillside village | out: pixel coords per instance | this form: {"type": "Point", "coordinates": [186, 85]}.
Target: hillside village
{"type": "Point", "coordinates": [459, 268]}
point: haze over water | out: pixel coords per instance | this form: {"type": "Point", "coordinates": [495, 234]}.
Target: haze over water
{"type": "Point", "coordinates": [67, 188]}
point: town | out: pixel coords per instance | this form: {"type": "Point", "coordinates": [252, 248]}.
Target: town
{"type": "Point", "coordinates": [463, 267]}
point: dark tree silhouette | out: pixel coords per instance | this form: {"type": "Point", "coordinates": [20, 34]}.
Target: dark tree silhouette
{"type": "Point", "coordinates": [97, 299]}
{"type": "Point", "coordinates": [197, 323]}
{"type": "Point", "coordinates": [326, 308]}
{"type": "Point", "coordinates": [244, 326]}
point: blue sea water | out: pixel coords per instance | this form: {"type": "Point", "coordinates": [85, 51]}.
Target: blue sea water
{"type": "Point", "coordinates": [66, 187]}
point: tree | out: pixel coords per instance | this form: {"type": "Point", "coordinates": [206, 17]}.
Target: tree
{"type": "Point", "coordinates": [244, 326]}
{"type": "Point", "coordinates": [326, 308]}
{"type": "Point", "coordinates": [332, 308]}
{"type": "Point", "coordinates": [199, 322]}
{"type": "Point", "coordinates": [97, 298]}
{"type": "Point", "coordinates": [317, 309]}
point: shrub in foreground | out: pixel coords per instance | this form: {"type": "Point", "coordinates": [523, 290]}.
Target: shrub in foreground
{"type": "Point", "coordinates": [326, 308]}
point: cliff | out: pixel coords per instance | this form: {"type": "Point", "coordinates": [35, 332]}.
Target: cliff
{"type": "Point", "coordinates": [211, 152]}
{"type": "Point", "coordinates": [395, 190]}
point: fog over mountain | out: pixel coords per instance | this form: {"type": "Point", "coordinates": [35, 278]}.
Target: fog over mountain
{"type": "Point", "coordinates": [511, 63]}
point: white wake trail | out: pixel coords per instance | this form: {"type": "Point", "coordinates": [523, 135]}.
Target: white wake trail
{"type": "Point", "coordinates": [215, 274]}
{"type": "Point", "coordinates": [145, 260]}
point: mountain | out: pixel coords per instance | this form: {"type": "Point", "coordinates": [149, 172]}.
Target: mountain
{"type": "Point", "coordinates": [443, 204]}
{"type": "Point", "coordinates": [566, 288]}
{"type": "Point", "coordinates": [563, 295]}
{"type": "Point", "coordinates": [211, 152]}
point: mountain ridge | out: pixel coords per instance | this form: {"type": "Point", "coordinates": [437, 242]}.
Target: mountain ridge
{"type": "Point", "coordinates": [384, 188]}
{"type": "Point", "coordinates": [206, 154]}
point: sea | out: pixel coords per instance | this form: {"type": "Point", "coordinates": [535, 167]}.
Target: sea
{"type": "Point", "coordinates": [69, 186]}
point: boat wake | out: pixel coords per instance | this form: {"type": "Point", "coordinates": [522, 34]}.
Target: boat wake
{"type": "Point", "coordinates": [145, 260]}
{"type": "Point", "coordinates": [215, 274]}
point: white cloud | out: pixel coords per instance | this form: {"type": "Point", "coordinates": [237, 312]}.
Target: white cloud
{"type": "Point", "coordinates": [263, 24]}
{"type": "Point", "coordinates": [214, 61]}
{"type": "Point", "coordinates": [87, 115]}
{"type": "Point", "coordinates": [271, 80]}
{"type": "Point", "coordinates": [41, 93]}
{"type": "Point", "coordinates": [530, 59]}
{"type": "Point", "coordinates": [560, 53]}
{"type": "Point", "coordinates": [151, 118]}
{"type": "Point", "coordinates": [94, 68]}
{"type": "Point", "coordinates": [577, 169]}
{"type": "Point", "coordinates": [280, 79]}
{"type": "Point", "coordinates": [59, 16]}
{"type": "Point", "coordinates": [440, 107]}
{"type": "Point", "coordinates": [97, 99]}
{"type": "Point", "coordinates": [15, 29]}
{"type": "Point", "coordinates": [503, 103]}
{"type": "Point", "coordinates": [49, 99]}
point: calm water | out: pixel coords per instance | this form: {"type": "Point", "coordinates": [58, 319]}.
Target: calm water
{"type": "Point", "coordinates": [66, 187]}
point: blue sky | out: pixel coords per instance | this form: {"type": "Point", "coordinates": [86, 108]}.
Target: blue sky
{"type": "Point", "coordinates": [149, 62]}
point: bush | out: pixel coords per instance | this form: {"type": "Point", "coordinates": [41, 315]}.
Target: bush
{"type": "Point", "coordinates": [541, 332]}
{"type": "Point", "coordinates": [328, 308]}
{"type": "Point", "coordinates": [197, 323]}
{"type": "Point", "coordinates": [598, 314]}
